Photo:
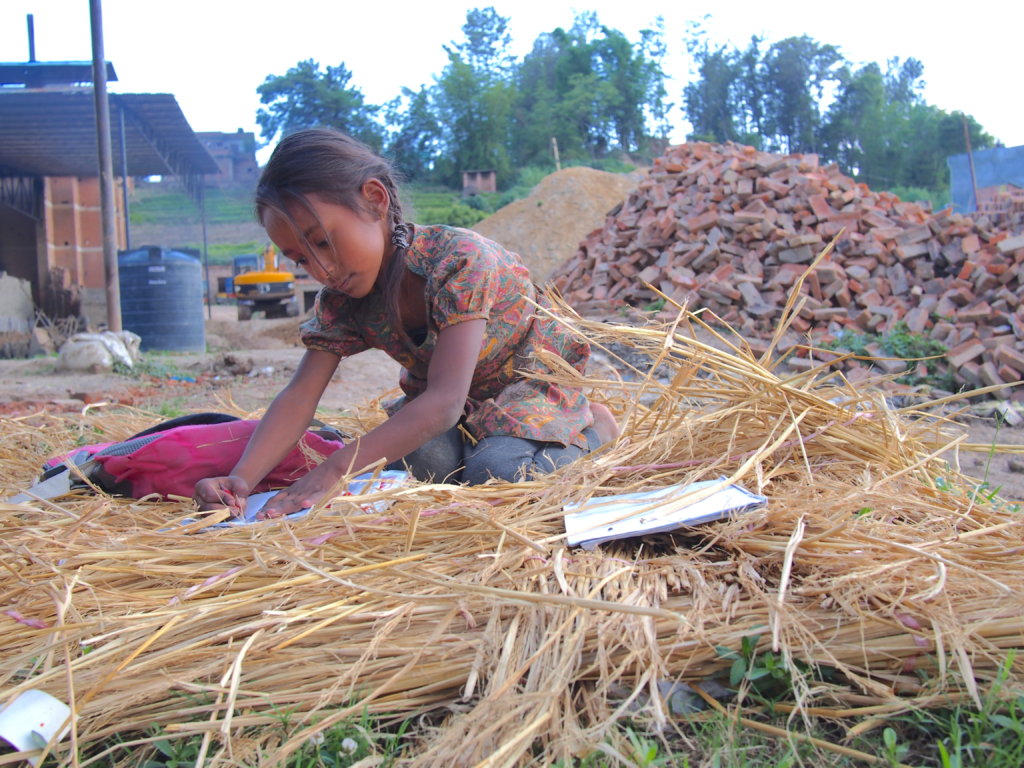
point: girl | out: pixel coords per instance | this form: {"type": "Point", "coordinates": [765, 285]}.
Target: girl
{"type": "Point", "coordinates": [449, 305]}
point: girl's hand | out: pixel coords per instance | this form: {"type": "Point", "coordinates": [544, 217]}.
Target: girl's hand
{"type": "Point", "coordinates": [216, 492]}
{"type": "Point", "coordinates": [302, 494]}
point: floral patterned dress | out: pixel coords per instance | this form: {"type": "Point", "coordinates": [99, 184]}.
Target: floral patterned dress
{"type": "Point", "coordinates": [469, 277]}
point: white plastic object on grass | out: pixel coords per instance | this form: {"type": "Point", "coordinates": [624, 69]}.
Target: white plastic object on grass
{"type": "Point", "coordinates": [32, 719]}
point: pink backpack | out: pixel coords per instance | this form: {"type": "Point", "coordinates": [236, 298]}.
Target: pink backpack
{"type": "Point", "coordinates": [171, 457]}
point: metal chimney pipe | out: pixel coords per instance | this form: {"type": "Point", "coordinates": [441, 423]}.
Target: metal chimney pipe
{"type": "Point", "coordinates": [31, 38]}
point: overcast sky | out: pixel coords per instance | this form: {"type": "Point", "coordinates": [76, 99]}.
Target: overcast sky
{"type": "Point", "coordinates": [212, 55]}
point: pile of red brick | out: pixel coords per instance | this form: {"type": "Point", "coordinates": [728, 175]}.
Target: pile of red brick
{"type": "Point", "coordinates": [732, 229]}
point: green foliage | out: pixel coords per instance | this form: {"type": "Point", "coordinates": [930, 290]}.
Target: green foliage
{"type": "Point", "coordinates": [431, 205]}
{"type": "Point", "coordinates": [770, 95]}
{"type": "Point", "coordinates": [175, 753]}
{"type": "Point", "coordinates": [590, 90]}
{"type": "Point", "coordinates": [171, 408]}
{"type": "Point", "coordinates": [151, 366]}
{"type": "Point", "coordinates": [990, 736]}
{"type": "Point", "coordinates": [765, 673]}
{"type": "Point", "coordinates": [874, 124]}
{"type": "Point", "coordinates": [344, 744]}
{"type": "Point", "coordinates": [900, 343]}
{"type": "Point", "coordinates": [167, 203]}
{"type": "Point", "coordinates": [306, 97]}
{"type": "Point", "coordinates": [223, 253]}
{"type": "Point", "coordinates": [937, 199]}
{"type": "Point", "coordinates": [414, 134]}
{"type": "Point", "coordinates": [594, 94]}
{"type": "Point", "coordinates": [645, 751]}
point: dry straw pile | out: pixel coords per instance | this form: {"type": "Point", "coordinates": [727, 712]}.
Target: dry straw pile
{"type": "Point", "coordinates": [873, 560]}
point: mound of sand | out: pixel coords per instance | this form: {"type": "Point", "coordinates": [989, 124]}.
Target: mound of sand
{"type": "Point", "coordinates": [546, 227]}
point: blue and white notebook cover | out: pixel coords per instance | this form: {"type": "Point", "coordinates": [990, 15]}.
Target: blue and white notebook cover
{"type": "Point", "coordinates": [621, 516]}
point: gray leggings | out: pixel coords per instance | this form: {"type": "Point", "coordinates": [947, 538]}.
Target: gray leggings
{"type": "Point", "coordinates": [450, 458]}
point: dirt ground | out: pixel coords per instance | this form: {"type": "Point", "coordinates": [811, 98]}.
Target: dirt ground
{"type": "Point", "coordinates": [546, 227]}
{"type": "Point", "coordinates": [248, 363]}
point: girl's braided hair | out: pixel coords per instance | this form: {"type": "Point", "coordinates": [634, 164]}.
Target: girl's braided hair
{"type": "Point", "coordinates": [335, 167]}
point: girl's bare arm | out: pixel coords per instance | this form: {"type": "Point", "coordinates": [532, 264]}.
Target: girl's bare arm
{"type": "Point", "coordinates": [283, 424]}
{"type": "Point", "coordinates": [425, 417]}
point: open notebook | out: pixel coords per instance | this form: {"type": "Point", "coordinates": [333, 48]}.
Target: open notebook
{"type": "Point", "coordinates": [620, 516]}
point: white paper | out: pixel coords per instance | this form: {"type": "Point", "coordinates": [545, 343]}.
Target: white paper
{"type": "Point", "coordinates": [362, 484]}
{"type": "Point", "coordinates": [624, 515]}
{"type": "Point", "coordinates": [31, 720]}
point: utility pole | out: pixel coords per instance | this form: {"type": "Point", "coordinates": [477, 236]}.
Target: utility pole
{"type": "Point", "coordinates": [970, 161]}
{"type": "Point", "coordinates": [106, 168]}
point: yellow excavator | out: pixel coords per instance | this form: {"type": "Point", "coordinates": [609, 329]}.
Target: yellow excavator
{"type": "Point", "coordinates": [260, 285]}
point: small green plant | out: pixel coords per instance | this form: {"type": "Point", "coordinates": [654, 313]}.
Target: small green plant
{"type": "Point", "coordinates": [645, 751]}
{"type": "Point", "coordinates": [176, 753]}
{"type": "Point", "coordinates": [901, 343]}
{"type": "Point", "coordinates": [171, 409]}
{"type": "Point", "coordinates": [766, 673]}
{"type": "Point", "coordinates": [992, 736]}
{"type": "Point", "coordinates": [149, 366]}
{"type": "Point", "coordinates": [894, 750]}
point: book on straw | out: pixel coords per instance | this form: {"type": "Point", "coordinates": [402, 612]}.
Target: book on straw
{"type": "Point", "coordinates": [623, 515]}
{"type": "Point", "coordinates": [358, 486]}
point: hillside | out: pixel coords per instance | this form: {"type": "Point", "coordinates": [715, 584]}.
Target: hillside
{"type": "Point", "coordinates": [162, 214]}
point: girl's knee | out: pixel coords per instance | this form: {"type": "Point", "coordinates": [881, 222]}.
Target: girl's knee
{"type": "Point", "coordinates": [516, 458]}
{"type": "Point", "coordinates": [501, 458]}
{"type": "Point", "coordinates": [439, 460]}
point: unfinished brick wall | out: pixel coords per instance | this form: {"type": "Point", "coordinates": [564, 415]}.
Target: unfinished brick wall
{"type": "Point", "coordinates": [74, 227]}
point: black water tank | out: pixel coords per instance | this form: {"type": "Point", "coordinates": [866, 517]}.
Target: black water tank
{"type": "Point", "coordinates": [162, 298]}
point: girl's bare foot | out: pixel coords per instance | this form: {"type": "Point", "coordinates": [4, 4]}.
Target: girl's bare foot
{"type": "Point", "coordinates": [605, 425]}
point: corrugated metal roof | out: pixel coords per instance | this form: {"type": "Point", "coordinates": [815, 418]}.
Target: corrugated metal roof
{"type": "Point", "coordinates": [53, 133]}
{"type": "Point", "coordinates": [38, 74]}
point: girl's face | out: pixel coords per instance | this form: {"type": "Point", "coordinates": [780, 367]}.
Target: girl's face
{"type": "Point", "coordinates": [340, 248]}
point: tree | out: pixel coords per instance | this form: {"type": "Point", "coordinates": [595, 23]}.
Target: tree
{"type": "Point", "coordinates": [797, 71]}
{"type": "Point", "coordinates": [857, 134]}
{"type": "Point", "coordinates": [487, 41]}
{"type": "Point", "coordinates": [414, 142]}
{"type": "Point", "coordinates": [726, 101]}
{"type": "Point", "coordinates": [307, 97]}
{"type": "Point", "coordinates": [880, 130]}
{"type": "Point", "coordinates": [589, 88]}
{"type": "Point", "coordinates": [653, 50]}
{"type": "Point", "coordinates": [473, 99]}
{"type": "Point", "coordinates": [709, 101]}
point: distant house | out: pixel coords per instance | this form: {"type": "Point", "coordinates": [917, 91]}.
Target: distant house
{"type": "Point", "coordinates": [235, 154]}
{"type": "Point", "coordinates": [995, 170]}
{"type": "Point", "coordinates": [474, 182]}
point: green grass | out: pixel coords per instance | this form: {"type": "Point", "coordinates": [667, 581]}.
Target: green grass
{"type": "Point", "coordinates": [437, 205]}
{"type": "Point", "coordinates": [168, 204]}
{"type": "Point", "coordinates": [955, 736]}
{"type": "Point", "coordinates": [903, 344]}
